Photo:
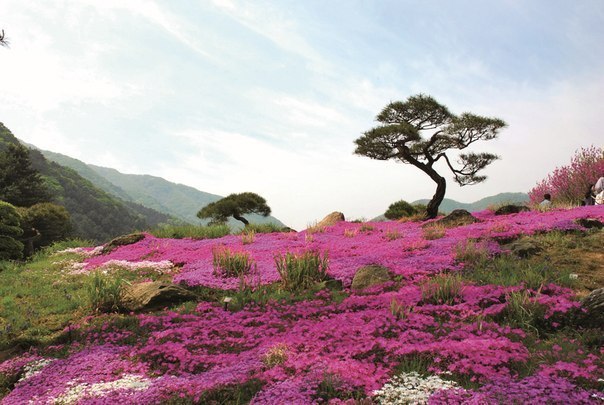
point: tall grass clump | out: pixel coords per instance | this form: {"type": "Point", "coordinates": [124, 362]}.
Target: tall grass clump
{"type": "Point", "coordinates": [523, 311]}
{"type": "Point", "coordinates": [444, 289]}
{"type": "Point", "coordinates": [105, 292]}
{"type": "Point", "coordinates": [301, 271]}
{"type": "Point", "coordinates": [191, 231]}
{"type": "Point", "coordinates": [231, 264]}
{"type": "Point", "coordinates": [434, 231]}
{"type": "Point", "coordinates": [569, 184]}
{"type": "Point", "coordinates": [471, 252]}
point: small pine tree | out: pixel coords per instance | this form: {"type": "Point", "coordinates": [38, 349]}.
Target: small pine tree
{"type": "Point", "coordinates": [51, 221]}
{"type": "Point", "coordinates": [400, 209]}
{"type": "Point", "coordinates": [235, 205]}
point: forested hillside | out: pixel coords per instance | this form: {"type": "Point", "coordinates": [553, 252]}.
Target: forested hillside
{"type": "Point", "coordinates": [94, 213]}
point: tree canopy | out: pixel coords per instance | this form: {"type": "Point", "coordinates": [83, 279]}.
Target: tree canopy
{"type": "Point", "coordinates": [235, 205]}
{"type": "Point", "coordinates": [421, 132]}
{"type": "Point", "coordinates": [20, 183]}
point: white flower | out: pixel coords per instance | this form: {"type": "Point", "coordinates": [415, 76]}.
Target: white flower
{"type": "Point", "coordinates": [411, 388]}
{"type": "Point", "coordinates": [77, 392]}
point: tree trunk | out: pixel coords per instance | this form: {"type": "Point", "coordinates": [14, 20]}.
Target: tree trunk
{"type": "Point", "coordinates": [242, 219]}
{"type": "Point", "coordinates": [437, 198]}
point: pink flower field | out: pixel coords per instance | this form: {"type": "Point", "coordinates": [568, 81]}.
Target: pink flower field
{"type": "Point", "coordinates": [386, 344]}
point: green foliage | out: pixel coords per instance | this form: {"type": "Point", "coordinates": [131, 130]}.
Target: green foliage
{"type": "Point", "coordinates": [262, 228]}
{"type": "Point", "coordinates": [20, 183]}
{"type": "Point", "coordinates": [105, 292]}
{"type": "Point", "coordinates": [331, 387]}
{"type": "Point", "coordinates": [400, 209]}
{"type": "Point", "coordinates": [507, 270]}
{"type": "Point", "coordinates": [235, 205]}
{"type": "Point", "coordinates": [523, 312]}
{"type": "Point", "coordinates": [231, 264]}
{"type": "Point", "coordinates": [444, 289]}
{"type": "Point", "coordinates": [191, 231]}
{"type": "Point", "coordinates": [401, 137]}
{"type": "Point", "coordinates": [52, 221]}
{"type": "Point", "coordinates": [301, 271]}
{"type": "Point", "coordinates": [10, 231]}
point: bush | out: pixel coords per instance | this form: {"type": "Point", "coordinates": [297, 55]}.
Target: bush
{"type": "Point", "coordinates": [52, 221]}
{"type": "Point", "coordinates": [10, 230]}
{"type": "Point", "coordinates": [301, 271]}
{"type": "Point", "coordinates": [568, 184]}
{"type": "Point", "coordinates": [262, 228]}
{"type": "Point", "coordinates": [400, 209]}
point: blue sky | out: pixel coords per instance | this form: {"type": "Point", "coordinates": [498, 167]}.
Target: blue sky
{"type": "Point", "coordinates": [268, 96]}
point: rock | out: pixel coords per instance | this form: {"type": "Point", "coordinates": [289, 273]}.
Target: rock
{"type": "Point", "coordinates": [524, 248]}
{"type": "Point", "coordinates": [594, 305]}
{"type": "Point", "coordinates": [454, 219]}
{"type": "Point", "coordinates": [511, 209]}
{"type": "Point", "coordinates": [331, 220]}
{"type": "Point", "coordinates": [153, 295]}
{"type": "Point", "coordinates": [590, 223]}
{"type": "Point", "coordinates": [122, 241]}
{"type": "Point", "coordinates": [371, 275]}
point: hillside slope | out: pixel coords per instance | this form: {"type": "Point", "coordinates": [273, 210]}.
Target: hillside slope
{"type": "Point", "coordinates": [173, 199]}
{"type": "Point", "coordinates": [95, 214]}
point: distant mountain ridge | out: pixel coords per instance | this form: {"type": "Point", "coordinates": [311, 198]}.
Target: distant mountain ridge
{"type": "Point", "coordinates": [177, 200]}
{"type": "Point", "coordinates": [95, 214]}
{"type": "Point", "coordinates": [449, 205]}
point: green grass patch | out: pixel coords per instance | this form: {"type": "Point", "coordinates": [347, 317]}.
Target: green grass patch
{"type": "Point", "coordinates": [228, 263]}
{"type": "Point", "coordinates": [443, 289]}
{"type": "Point", "coordinates": [261, 228]}
{"type": "Point", "coordinates": [191, 231]}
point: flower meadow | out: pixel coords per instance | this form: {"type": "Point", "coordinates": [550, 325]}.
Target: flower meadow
{"type": "Point", "coordinates": [391, 343]}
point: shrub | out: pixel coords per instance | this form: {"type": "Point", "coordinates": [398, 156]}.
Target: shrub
{"type": "Point", "coordinates": [261, 228]}
{"type": "Point", "coordinates": [568, 184]}
{"type": "Point", "coordinates": [400, 209]}
{"type": "Point", "coordinates": [301, 271]}
{"type": "Point", "coordinates": [51, 220]}
{"type": "Point", "coordinates": [10, 230]}
{"type": "Point", "coordinates": [105, 292]}
{"type": "Point", "coordinates": [248, 237]}
{"type": "Point", "coordinates": [231, 264]}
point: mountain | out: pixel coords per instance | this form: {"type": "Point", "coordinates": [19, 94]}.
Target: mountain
{"type": "Point", "coordinates": [95, 214]}
{"type": "Point", "coordinates": [449, 205]}
{"type": "Point", "coordinates": [177, 200]}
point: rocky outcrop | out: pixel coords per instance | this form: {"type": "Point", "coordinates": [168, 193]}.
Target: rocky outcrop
{"type": "Point", "coordinates": [594, 306]}
{"type": "Point", "coordinates": [590, 223]}
{"type": "Point", "coordinates": [371, 275]}
{"type": "Point", "coordinates": [524, 248]}
{"type": "Point", "coordinates": [122, 241]}
{"type": "Point", "coordinates": [511, 209]}
{"type": "Point", "coordinates": [331, 220]}
{"type": "Point", "coordinates": [155, 295]}
{"type": "Point", "coordinates": [454, 219]}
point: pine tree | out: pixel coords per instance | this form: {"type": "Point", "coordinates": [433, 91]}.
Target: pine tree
{"type": "Point", "coordinates": [20, 184]}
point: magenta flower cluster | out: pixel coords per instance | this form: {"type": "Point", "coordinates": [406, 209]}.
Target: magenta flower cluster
{"type": "Point", "coordinates": [358, 341]}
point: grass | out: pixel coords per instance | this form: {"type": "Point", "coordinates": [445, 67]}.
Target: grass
{"type": "Point", "coordinates": [261, 228]}
{"type": "Point", "coordinates": [191, 231]}
{"type": "Point", "coordinates": [231, 264]}
{"type": "Point", "coordinates": [301, 271]}
{"type": "Point", "coordinates": [434, 231]}
{"type": "Point", "coordinates": [442, 289]}
{"type": "Point", "coordinates": [105, 292]}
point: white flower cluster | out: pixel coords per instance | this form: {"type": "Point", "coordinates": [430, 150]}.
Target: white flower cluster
{"type": "Point", "coordinates": [411, 388]}
{"type": "Point", "coordinates": [159, 267]}
{"type": "Point", "coordinates": [82, 251]}
{"type": "Point", "coordinates": [77, 392]}
{"type": "Point", "coordinates": [34, 368]}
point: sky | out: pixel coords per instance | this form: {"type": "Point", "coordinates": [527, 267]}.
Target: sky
{"type": "Point", "coordinates": [230, 96]}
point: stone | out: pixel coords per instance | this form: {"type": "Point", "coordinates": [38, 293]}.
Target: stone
{"type": "Point", "coordinates": [511, 209]}
{"type": "Point", "coordinates": [155, 295]}
{"type": "Point", "coordinates": [122, 241]}
{"type": "Point", "coordinates": [590, 223]}
{"type": "Point", "coordinates": [331, 220]}
{"type": "Point", "coordinates": [594, 306]}
{"type": "Point", "coordinates": [454, 219]}
{"type": "Point", "coordinates": [524, 248]}
{"type": "Point", "coordinates": [371, 275]}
